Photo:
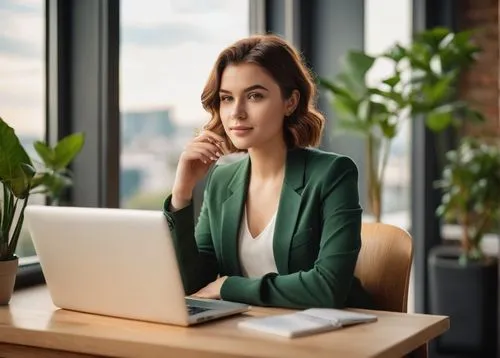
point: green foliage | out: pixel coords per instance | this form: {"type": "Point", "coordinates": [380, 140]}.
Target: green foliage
{"type": "Point", "coordinates": [56, 177]}
{"type": "Point", "coordinates": [16, 168]}
{"type": "Point", "coordinates": [20, 179]}
{"type": "Point", "coordinates": [437, 58]}
{"type": "Point", "coordinates": [471, 192]}
{"type": "Point", "coordinates": [421, 84]}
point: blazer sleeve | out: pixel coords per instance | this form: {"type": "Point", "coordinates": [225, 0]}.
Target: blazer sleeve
{"type": "Point", "coordinates": [328, 283]}
{"type": "Point", "coordinates": [193, 245]}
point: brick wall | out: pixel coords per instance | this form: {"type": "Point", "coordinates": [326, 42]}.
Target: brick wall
{"type": "Point", "coordinates": [480, 85]}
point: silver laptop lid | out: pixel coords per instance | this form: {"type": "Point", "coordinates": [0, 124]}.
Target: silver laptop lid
{"type": "Point", "coordinates": [109, 261]}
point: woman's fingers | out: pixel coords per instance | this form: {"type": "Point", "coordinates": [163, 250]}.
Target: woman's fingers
{"type": "Point", "coordinates": [195, 155]}
{"type": "Point", "coordinates": [203, 293]}
{"type": "Point", "coordinates": [205, 152]}
{"type": "Point", "coordinates": [211, 137]}
{"type": "Point", "coordinates": [213, 151]}
{"type": "Point", "coordinates": [214, 136]}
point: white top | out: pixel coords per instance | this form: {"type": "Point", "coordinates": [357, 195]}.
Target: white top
{"type": "Point", "coordinates": [256, 254]}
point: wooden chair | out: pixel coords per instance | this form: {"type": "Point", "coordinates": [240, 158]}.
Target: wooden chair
{"type": "Point", "coordinates": [384, 265]}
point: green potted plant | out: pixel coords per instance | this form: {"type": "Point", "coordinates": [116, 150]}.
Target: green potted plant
{"type": "Point", "coordinates": [420, 85]}
{"type": "Point", "coordinates": [20, 178]}
{"type": "Point", "coordinates": [470, 185]}
{"type": "Point", "coordinates": [463, 279]}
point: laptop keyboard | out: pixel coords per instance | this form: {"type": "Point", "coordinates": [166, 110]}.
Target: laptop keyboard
{"type": "Point", "coordinates": [192, 310]}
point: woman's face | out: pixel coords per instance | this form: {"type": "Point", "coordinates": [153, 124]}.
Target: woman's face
{"type": "Point", "coordinates": [252, 108]}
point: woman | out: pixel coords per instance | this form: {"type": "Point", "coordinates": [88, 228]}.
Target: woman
{"type": "Point", "coordinates": [282, 226]}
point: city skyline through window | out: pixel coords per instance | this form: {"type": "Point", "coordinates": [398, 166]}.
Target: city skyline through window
{"type": "Point", "coordinates": [166, 53]}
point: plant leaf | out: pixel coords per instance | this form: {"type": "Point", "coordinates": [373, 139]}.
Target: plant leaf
{"type": "Point", "coordinates": [357, 64]}
{"type": "Point", "coordinates": [66, 150]}
{"type": "Point", "coordinates": [433, 37]}
{"type": "Point", "coordinates": [474, 115]}
{"type": "Point", "coordinates": [437, 92]}
{"type": "Point", "coordinates": [332, 87]}
{"type": "Point", "coordinates": [392, 81]}
{"type": "Point", "coordinates": [46, 153]}
{"type": "Point", "coordinates": [439, 119]}
{"type": "Point", "coordinates": [395, 53]}
{"type": "Point", "coordinates": [357, 127]}
{"type": "Point", "coordinates": [13, 162]}
{"type": "Point", "coordinates": [390, 95]}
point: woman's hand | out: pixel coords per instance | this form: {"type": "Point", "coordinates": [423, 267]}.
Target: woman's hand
{"type": "Point", "coordinates": [194, 163]}
{"type": "Point", "coordinates": [212, 290]}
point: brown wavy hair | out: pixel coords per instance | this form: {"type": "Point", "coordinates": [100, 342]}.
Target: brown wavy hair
{"type": "Point", "coordinates": [304, 126]}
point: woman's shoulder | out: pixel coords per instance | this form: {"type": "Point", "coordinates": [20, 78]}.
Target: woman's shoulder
{"type": "Point", "coordinates": [320, 161]}
{"type": "Point", "coordinates": [329, 171]}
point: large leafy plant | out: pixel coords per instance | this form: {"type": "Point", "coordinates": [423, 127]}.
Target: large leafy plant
{"type": "Point", "coordinates": [421, 83]}
{"type": "Point", "coordinates": [20, 178]}
{"type": "Point", "coordinates": [470, 184]}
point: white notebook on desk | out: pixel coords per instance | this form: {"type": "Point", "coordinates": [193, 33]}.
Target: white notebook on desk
{"type": "Point", "coordinates": [306, 322]}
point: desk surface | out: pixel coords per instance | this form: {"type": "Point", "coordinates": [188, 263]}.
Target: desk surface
{"type": "Point", "coordinates": [32, 320]}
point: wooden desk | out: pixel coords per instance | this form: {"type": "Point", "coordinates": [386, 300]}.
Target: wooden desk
{"type": "Point", "coordinates": [32, 327]}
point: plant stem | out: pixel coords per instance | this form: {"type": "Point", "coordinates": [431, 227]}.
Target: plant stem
{"type": "Point", "coordinates": [6, 212]}
{"type": "Point", "coordinates": [10, 207]}
{"type": "Point", "coordinates": [478, 235]}
{"type": "Point", "coordinates": [466, 241]}
{"type": "Point", "coordinates": [4, 246]}
{"type": "Point", "coordinates": [17, 231]}
{"type": "Point", "coordinates": [383, 166]}
{"type": "Point", "coordinates": [373, 184]}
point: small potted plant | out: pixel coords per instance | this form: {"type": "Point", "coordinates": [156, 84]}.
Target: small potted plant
{"type": "Point", "coordinates": [463, 279]}
{"type": "Point", "coordinates": [20, 178]}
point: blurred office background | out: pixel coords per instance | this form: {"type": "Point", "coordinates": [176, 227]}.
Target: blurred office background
{"type": "Point", "coordinates": [129, 74]}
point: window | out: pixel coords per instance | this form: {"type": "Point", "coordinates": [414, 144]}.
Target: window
{"type": "Point", "coordinates": [167, 50]}
{"type": "Point", "coordinates": [22, 81]}
{"type": "Point", "coordinates": [382, 30]}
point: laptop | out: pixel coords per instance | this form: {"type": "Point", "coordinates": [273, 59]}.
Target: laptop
{"type": "Point", "coordinates": [116, 262]}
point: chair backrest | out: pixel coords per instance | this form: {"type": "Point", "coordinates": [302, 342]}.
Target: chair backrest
{"type": "Point", "coordinates": [384, 265]}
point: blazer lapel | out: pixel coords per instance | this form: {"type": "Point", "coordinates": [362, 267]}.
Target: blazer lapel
{"type": "Point", "coordinates": [232, 209]}
{"type": "Point", "coordinates": [288, 208]}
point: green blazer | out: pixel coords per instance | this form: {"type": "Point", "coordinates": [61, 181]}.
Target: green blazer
{"type": "Point", "coordinates": [316, 239]}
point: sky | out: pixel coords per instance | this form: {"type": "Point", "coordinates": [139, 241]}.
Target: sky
{"type": "Point", "coordinates": [22, 80]}
{"type": "Point", "coordinates": [167, 50]}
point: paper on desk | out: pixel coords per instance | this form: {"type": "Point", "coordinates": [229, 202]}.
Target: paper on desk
{"type": "Point", "coordinates": [290, 325]}
{"type": "Point", "coordinates": [342, 317]}
{"type": "Point", "coordinates": [306, 322]}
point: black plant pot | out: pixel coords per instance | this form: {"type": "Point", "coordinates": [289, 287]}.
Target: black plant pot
{"type": "Point", "coordinates": [468, 295]}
